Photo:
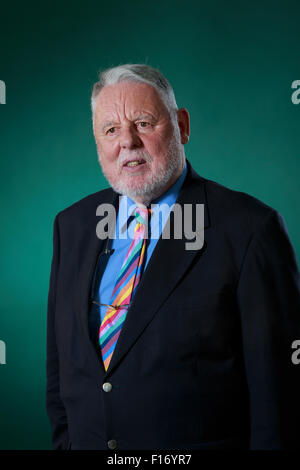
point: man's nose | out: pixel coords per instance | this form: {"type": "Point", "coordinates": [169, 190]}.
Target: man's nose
{"type": "Point", "coordinates": [129, 138]}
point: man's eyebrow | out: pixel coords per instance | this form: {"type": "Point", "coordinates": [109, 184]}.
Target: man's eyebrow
{"type": "Point", "coordinates": [145, 116]}
{"type": "Point", "coordinates": [108, 124]}
{"type": "Point", "coordinates": [139, 117]}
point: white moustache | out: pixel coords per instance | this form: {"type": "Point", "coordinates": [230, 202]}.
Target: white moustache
{"type": "Point", "coordinates": [138, 155]}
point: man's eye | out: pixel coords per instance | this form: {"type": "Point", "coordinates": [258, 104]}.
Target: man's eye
{"type": "Point", "coordinates": [111, 130]}
{"type": "Point", "coordinates": [144, 124]}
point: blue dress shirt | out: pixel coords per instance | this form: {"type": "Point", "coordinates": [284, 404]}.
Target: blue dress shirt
{"type": "Point", "coordinates": [124, 233]}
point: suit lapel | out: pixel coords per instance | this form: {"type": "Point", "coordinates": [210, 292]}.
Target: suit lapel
{"type": "Point", "coordinates": [89, 249]}
{"type": "Point", "coordinates": [169, 261]}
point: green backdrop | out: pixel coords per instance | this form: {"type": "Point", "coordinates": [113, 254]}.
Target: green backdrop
{"type": "Point", "coordinates": [231, 64]}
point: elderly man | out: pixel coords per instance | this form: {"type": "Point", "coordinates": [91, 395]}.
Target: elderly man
{"type": "Point", "coordinates": [152, 345]}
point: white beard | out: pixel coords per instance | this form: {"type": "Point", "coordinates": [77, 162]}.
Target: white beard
{"type": "Point", "coordinates": [154, 187]}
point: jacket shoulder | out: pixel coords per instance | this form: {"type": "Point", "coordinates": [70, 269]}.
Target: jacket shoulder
{"type": "Point", "coordinates": [87, 206]}
{"type": "Point", "coordinates": [223, 200]}
{"type": "Point", "coordinates": [233, 204]}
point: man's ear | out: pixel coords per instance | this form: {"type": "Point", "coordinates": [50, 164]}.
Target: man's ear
{"type": "Point", "coordinates": [183, 120]}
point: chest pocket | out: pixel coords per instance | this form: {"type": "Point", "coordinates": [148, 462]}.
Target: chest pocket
{"type": "Point", "coordinates": [204, 324]}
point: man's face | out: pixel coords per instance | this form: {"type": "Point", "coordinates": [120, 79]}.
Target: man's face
{"type": "Point", "coordinates": [139, 148]}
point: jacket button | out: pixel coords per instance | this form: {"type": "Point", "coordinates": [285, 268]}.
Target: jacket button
{"type": "Point", "coordinates": [107, 387]}
{"type": "Point", "coordinates": [112, 444]}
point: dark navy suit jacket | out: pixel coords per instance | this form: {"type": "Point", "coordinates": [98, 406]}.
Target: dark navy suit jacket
{"type": "Point", "coordinates": [204, 358]}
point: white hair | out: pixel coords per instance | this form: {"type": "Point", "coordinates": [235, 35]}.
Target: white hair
{"type": "Point", "coordinates": [138, 73]}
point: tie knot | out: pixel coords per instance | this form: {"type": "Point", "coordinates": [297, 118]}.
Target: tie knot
{"type": "Point", "coordinates": [142, 215]}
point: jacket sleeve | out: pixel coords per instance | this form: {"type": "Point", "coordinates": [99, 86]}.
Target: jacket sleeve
{"type": "Point", "coordinates": [54, 404]}
{"type": "Point", "coordinates": [269, 305]}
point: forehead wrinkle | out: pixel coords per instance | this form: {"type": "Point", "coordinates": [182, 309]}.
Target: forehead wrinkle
{"type": "Point", "coordinates": [125, 103]}
{"type": "Point", "coordinates": [115, 117]}
{"type": "Point", "coordinates": [140, 104]}
{"type": "Point", "coordinates": [141, 110]}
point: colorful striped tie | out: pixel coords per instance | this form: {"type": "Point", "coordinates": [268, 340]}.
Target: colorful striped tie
{"type": "Point", "coordinates": [124, 289]}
